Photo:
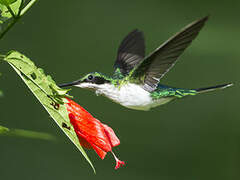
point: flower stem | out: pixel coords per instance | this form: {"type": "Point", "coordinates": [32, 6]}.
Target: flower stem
{"type": "Point", "coordinates": [16, 18]}
{"type": "Point", "coordinates": [26, 8]}
{"type": "Point", "coordinates": [8, 28]}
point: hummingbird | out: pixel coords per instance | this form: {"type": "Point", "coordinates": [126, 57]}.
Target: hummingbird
{"type": "Point", "coordinates": [135, 82]}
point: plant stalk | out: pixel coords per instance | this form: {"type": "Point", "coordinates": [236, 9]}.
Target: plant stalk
{"type": "Point", "coordinates": [16, 18]}
{"type": "Point", "coordinates": [26, 8]}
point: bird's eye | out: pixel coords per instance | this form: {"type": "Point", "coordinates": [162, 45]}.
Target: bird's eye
{"type": "Point", "coordinates": [90, 77]}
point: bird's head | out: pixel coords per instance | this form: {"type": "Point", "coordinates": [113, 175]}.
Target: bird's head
{"type": "Point", "coordinates": [91, 81]}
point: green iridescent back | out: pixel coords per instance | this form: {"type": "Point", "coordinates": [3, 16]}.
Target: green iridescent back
{"type": "Point", "coordinates": [166, 91]}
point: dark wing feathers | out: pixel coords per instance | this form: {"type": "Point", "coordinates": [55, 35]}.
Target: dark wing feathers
{"type": "Point", "coordinates": [130, 52]}
{"type": "Point", "coordinates": [158, 63]}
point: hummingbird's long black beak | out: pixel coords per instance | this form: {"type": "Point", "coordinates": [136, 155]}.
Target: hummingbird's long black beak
{"type": "Point", "coordinates": [69, 84]}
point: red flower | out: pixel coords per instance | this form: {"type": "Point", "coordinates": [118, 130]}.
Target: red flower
{"type": "Point", "coordinates": [92, 134]}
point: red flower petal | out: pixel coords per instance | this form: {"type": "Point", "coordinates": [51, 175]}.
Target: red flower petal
{"type": "Point", "coordinates": [111, 136]}
{"type": "Point", "coordinates": [84, 142]}
{"type": "Point", "coordinates": [91, 132]}
{"type": "Point", "coordinates": [99, 151]}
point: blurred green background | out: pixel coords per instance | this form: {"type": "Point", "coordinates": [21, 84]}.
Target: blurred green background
{"type": "Point", "coordinates": [193, 138]}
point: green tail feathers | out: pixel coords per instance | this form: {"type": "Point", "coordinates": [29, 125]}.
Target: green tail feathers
{"type": "Point", "coordinates": [213, 88]}
{"type": "Point", "coordinates": [166, 91]}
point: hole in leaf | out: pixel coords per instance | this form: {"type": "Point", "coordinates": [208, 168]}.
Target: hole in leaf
{"type": "Point", "coordinates": [64, 125]}
{"type": "Point", "coordinates": [55, 105]}
{"type": "Point", "coordinates": [33, 75]}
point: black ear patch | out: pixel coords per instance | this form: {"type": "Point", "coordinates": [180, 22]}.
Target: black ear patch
{"type": "Point", "coordinates": [99, 80]}
{"type": "Point", "coordinates": [96, 80]}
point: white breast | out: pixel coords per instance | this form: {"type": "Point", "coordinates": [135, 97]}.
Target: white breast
{"type": "Point", "coordinates": [129, 95]}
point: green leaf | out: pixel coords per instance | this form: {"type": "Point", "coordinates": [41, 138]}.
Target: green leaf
{"type": "Point", "coordinates": [25, 133]}
{"type": "Point", "coordinates": [7, 2]}
{"type": "Point", "coordinates": [3, 129]}
{"type": "Point", "coordinates": [5, 14]}
{"type": "Point", "coordinates": [47, 92]}
{"type": "Point", "coordinates": [1, 93]}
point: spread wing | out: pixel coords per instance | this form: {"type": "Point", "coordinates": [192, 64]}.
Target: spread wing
{"type": "Point", "coordinates": [158, 63]}
{"type": "Point", "coordinates": [130, 52]}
